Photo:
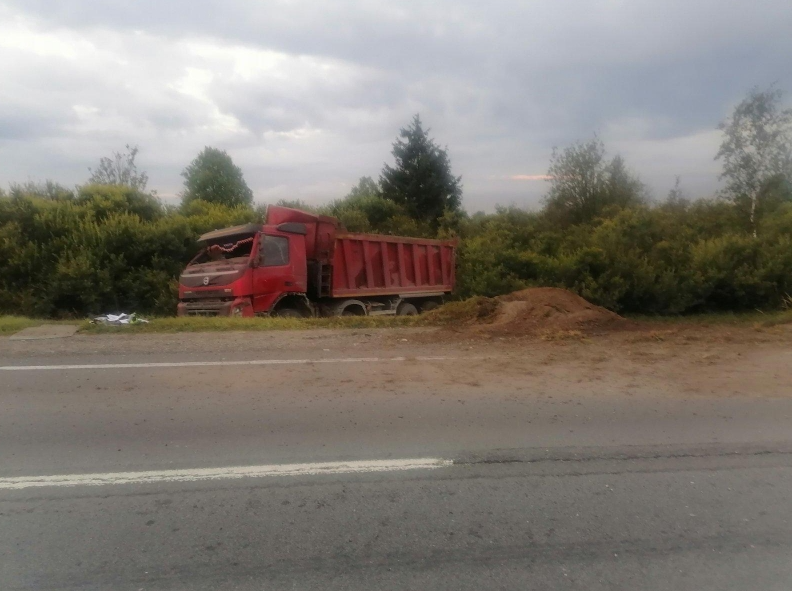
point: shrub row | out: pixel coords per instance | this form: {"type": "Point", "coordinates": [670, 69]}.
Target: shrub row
{"type": "Point", "coordinates": [110, 248]}
{"type": "Point", "coordinates": [652, 260]}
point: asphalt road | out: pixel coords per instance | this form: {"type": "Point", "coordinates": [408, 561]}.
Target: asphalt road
{"type": "Point", "coordinates": [561, 486]}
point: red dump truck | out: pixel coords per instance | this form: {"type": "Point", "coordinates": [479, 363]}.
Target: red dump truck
{"type": "Point", "coordinates": [299, 265]}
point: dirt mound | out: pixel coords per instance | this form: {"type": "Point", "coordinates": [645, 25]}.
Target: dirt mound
{"type": "Point", "coordinates": [549, 311]}
{"type": "Point", "coordinates": [475, 310]}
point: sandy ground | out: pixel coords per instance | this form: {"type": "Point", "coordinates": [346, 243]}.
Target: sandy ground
{"type": "Point", "coordinates": [739, 360]}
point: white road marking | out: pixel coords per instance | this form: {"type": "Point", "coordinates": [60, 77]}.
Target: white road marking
{"type": "Point", "coordinates": [235, 472]}
{"type": "Point", "coordinates": [223, 363]}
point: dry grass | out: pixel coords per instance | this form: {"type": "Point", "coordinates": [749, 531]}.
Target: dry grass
{"type": "Point", "coordinates": [560, 335]}
{"type": "Point", "coordinates": [655, 336]}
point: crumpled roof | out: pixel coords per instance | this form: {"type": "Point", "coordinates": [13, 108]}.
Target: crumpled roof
{"type": "Point", "coordinates": [233, 231]}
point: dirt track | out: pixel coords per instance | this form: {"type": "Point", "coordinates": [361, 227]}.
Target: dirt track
{"type": "Point", "coordinates": [677, 359]}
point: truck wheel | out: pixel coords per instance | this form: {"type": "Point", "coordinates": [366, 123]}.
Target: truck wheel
{"type": "Point", "coordinates": [406, 309]}
{"type": "Point", "coordinates": [288, 313]}
{"type": "Point", "coordinates": [429, 306]}
{"type": "Point", "coordinates": [349, 308]}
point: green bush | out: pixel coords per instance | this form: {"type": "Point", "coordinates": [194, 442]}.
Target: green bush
{"type": "Point", "coordinates": [107, 248]}
{"type": "Point", "coordinates": [651, 260]}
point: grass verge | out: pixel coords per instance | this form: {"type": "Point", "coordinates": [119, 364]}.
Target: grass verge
{"type": "Point", "coordinates": [757, 318]}
{"type": "Point", "coordinates": [213, 324]}
{"type": "Point", "coordinates": [464, 312]}
{"type": "Point", "coordinates": [477, 309]}
{"type": "Point", "coordinates": [12, 324]}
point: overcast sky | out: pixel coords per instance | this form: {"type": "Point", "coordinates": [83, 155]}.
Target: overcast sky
{"type": "Point", "coordinates": [308, 96]}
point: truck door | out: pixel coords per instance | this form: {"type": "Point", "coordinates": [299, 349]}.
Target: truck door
{"type": "Point", "coordinates": [280, 269]}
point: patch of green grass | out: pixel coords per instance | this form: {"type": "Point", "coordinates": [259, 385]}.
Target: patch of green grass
{"type": "Point", "coordinates": [12, 324]}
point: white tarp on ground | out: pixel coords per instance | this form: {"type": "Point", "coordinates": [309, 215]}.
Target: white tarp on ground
{"type": "Point", "coordinates": [117, 319]}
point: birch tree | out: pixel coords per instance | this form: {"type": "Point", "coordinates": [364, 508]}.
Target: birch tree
{"type": "Point", "coordinates": [756, 149]}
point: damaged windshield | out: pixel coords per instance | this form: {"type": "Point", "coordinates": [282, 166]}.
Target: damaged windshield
{"type": "Point", "coordinates": [234, 247]}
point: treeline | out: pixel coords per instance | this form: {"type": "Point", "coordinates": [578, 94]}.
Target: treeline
{"type": "Point", "coordinates": [110, 245]}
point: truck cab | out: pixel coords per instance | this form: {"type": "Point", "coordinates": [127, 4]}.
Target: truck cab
{"type": "Point", "coordinates": [244, 271]}
{"type": "Point", "coordinates": [303, 264]}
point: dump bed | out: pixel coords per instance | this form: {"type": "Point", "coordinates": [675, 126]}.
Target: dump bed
{"type": "Point", "coordinates": [341, 264]}
{"type": "Point", "coordinates": [373, 264]}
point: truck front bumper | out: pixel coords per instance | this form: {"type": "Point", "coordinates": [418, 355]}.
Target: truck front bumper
{"type": "Point", "coordinates": [213, 307]}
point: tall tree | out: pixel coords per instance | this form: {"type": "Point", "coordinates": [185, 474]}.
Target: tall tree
{"type": "Point", "coordinates": [676, 200]}
{"type": "Point", "coordinates": [624, 189]}
{"type": "Point", "coordinates": [214, 177]}
{"type": "Point", "coordinates": [421, 179]}
{"type": "Point", "coordinates": [364, 209]}
{"type": "Point", "coordinates": [120, 169]}
{"type": "Point", "coordinates": [756, 149]}
{"type": "Point", "coordinates": [366, 187]}
{"type": "Point", "coordinates": [583, 183]}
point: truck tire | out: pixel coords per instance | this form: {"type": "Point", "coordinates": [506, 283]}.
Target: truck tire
{"type": "Point", "coordinates": [289, 313]}
{"type": "Point", "coordinates": [406, 309]}
{"type": "Point", "coordinates": [429, 305]}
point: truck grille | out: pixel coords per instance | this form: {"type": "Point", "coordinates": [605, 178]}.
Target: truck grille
{"type": "Point", "coordinates": [208, 294]}
{"type": "Point", "coordinates": [204, 307]}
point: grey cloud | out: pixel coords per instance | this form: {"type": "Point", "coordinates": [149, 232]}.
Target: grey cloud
{"type": "Point", "coordinates": [500, 83]}
{"type": "Point", "coordinates": [16, 126]}
{"type": "Point", "coordinates": [263, 107]}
